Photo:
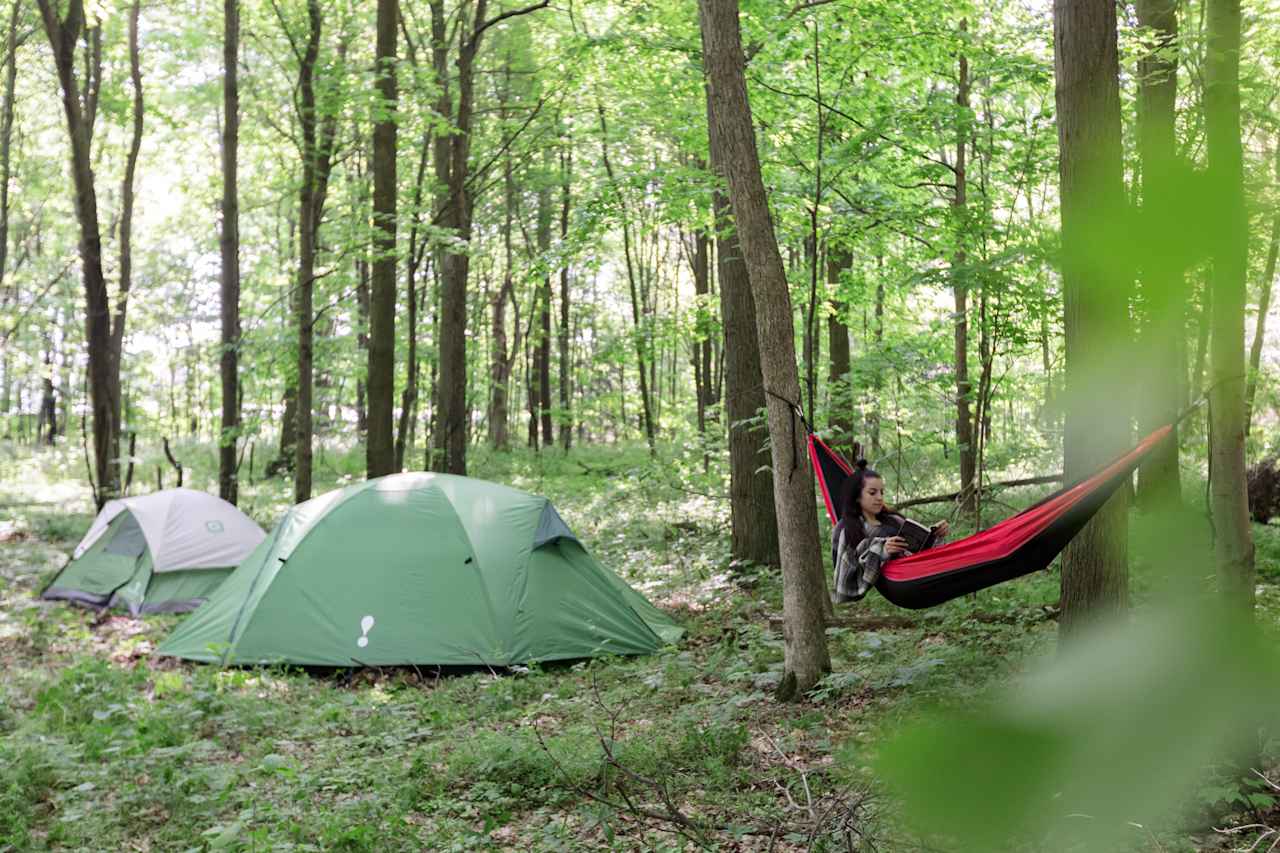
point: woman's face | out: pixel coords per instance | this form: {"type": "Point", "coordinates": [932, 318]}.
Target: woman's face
{"type": "Point", "coordinates": [872, 499]}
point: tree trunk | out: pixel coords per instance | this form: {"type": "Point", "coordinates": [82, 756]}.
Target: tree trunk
{"type": "Point", "coordinates": [1094, 573]}
{"type": "Point", "coordinates": [362, 343]}
{"type": "Point", "coordinates": [126, 218]}
{"type": "Point", "coordinates": [380, 447]}
{"type": "Point", "coordinates": [542, 357]}
{"type": "Point", "coordinates": [960, 279]}
{"type": "Point", "coordinates": [838, 381]}
{"type": "Point", "coordinates": [701, 265]}
{"type": "Point", "coordinates": [1163, 280]}
{"type": "Point", "coordinates": [317, 149]}
{"type": "Point", "coordinates": [103, 371]}
{"type": "Point", "coordinates": [640, 331]}
{"type": "Point", "coordinates": [734, 150]}
{"type": "Point", "coordinates": [229, 243]}
{"type": "Point", "coordinates": [1233, 542]}
{"type": "Point", "coordinates": [566, 355]}
{"type": "Point", "coordinates": [1264, 306]}
{"type": "Point", "coordinates": [877, 384]}
{"type": "Point", "coordinates": [753, 517]}
{"type": "Point", "coordinates": [6, 140]}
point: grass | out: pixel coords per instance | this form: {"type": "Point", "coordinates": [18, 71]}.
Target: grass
{"type": "Point", "coordinates": [104, 747]}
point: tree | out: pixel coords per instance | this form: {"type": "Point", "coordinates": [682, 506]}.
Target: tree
{"type": "Point", "coordinates": [966, 445]}
{"type": "Point", "coordinates": [1094, 571]}
{"type": "Point", "coordinates": [454, 211]}
{"type": "Point", "coordinates": [229, 244]}
{"type": "Point", "coordinates": [753, 515]}
{"type": "Point", "coordinates": [381, 455]}
{"type": "Point", "coordinates": [1163, 279]}
{"type": "Point", "coordinates": [104, 335]}
{"type": "Point", "coordinates": [319, 138]}
{"type": "Point", "coordinates": [1233, 542]}
{"type": "Point", "coordinates": [734, 150]}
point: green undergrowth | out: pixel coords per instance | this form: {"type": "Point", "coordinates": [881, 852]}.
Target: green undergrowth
{"type": "Point", "coordinates": [106, 747]}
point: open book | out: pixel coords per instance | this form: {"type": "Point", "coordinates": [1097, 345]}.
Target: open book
{"type": "Point", "coordinates": [917, 535]}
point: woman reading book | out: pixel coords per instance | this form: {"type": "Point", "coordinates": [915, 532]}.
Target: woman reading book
{"type": "Point", "coordinates": [870, 533]}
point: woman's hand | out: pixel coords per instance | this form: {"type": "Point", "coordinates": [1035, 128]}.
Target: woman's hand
{"type": "Point", "coordinates": [942, 528]}
{"type": "Point", "coordinates": [895, 545]}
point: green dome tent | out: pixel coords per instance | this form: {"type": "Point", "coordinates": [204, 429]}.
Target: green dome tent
{"type": "Point", "coordinates": [162, 552]}
{"type": "Point", "coordinates": [420, 569]}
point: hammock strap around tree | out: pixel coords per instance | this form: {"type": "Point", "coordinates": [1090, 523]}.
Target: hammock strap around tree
{"type": "Point", "coordinates": [1019, 545]}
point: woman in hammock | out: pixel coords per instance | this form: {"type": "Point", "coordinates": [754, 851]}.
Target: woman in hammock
{"type": "Point", "coordinates": [865, 537]}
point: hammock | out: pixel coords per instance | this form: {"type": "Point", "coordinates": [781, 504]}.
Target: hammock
{"type": "Point", "coordinates": [1024, 543]}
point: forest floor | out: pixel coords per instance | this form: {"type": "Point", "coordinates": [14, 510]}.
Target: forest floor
{"type": "Point", "coordinates": [106, 747]}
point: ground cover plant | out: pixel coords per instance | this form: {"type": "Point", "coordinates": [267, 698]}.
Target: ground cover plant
{"type": "Point", "coordinates": [105, 746]}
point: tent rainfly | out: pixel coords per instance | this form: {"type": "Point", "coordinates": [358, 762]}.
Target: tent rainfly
{"type": "Point", "coordinates": [420, 569]}
{"type": "Point", "coordinates": [157, 553]}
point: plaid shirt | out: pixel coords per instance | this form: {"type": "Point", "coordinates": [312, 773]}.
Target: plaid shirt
{"type": "Point", "coordinates": [858, 568]}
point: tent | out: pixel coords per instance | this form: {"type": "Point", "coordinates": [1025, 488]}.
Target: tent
{"type": "Point", "coordinates": [420, 569]}
{"type": "Point", "coordinates": [163, 552]}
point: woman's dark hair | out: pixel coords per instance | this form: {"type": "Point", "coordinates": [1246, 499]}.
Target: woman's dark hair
{"type": "Point", "coordinates": [855, 529]}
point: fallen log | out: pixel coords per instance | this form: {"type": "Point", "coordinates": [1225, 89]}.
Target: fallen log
{"type": "Point", "coordinates": [890, 622]}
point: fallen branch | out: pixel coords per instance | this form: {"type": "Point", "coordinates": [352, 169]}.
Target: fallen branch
{"type": "Point", "coordinates": [952, 497]}
{"type": "Point", "coordinates": [891, 622]}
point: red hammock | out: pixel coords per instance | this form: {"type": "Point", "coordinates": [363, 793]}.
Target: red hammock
{"type": "Point", "coordinates": [1024, 543]}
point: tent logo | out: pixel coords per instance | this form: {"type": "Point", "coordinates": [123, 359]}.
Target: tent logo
{"type": "Point", "coordinates": [213, 526]}
{"type": "Point", "coordinates": [366, 625]}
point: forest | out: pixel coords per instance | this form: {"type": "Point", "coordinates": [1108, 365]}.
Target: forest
{"type": "Point", "coordinates": [454, 425]}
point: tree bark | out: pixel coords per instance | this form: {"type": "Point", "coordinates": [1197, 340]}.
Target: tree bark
{"type": "Point", "coordinates": [362, 343]}
{"type": "Point", "coordinates": [381, 453]}
{"type": "Point", "coordinates": [566, 355]}
{"type": "Point", "coordinates": [965, 443]}
{"type": "Point", "coordinates": [700, 263]}
{"type": "Point", "coordinates": [542, 357]}
{"type": "Point", "coordinates": [753, 516]}
{"type": "Point", "coordinates": [1094, 573]}
{"type": "Point", "coordinates": [1264, 306]}
{"type": "Point", "coordinates": [1163, 280]}
{"type": "Point", "coordinates": [80, 109]}
{"type": "Point", "coordinates": [318, 136]}
{"type": "Point", "coordinates": [1233, 542]}
{"type": "Point", "coordinates": [229, 244]}
{"type": "Point", "coordinates": [838, 381]}
{"type": "Point", "coordinates": [805, 597]}
{"type": "Point", "coordinates": [6, 140]}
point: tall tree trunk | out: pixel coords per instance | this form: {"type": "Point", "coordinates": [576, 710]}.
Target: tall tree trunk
{"type": "Point", "coordinates": [1163, 280]}
{"type": "Point", "coordinates": [566, 355]}
{"type": "Point", "coordinates": [6, 138]}
{"type": "Point", "coordinates": [126, 219]}
{"type": "Point", "coordinates": [966, 446]}
{"type": "Point", "coordinates": [1233, 542]}
{"type": "Point", "coordinates": [841, 423]}
{"type": "Point", "coordinates": [877, 383]}
{"type": "Point", "coordinates": [81, 109]}
{"type": "Point", "coordinates": [543, 356]}
{"type": "Point", "coordinates": [1094, 572]}
{"type": "Point", "coordinates": [362, 342]}
{"type": "Point", "coordinates": [1264, 306]}
{"type": "Point", "coordinates": [454, 212]}
{"type": "Point", "coordinates": [317, 149]}
{"type": "Point", "coordinates": [700, 262]}
{"type": "Point", "coordinates": [752, 513]}
{"type": "Point", "coordinates": [381, 453]}
{"type": "Point", "coordinates": [229, 243]}
{"type": "Point", "coordinates": [805, 597]}
{"type": "Point", "coordinates": [638, 307]}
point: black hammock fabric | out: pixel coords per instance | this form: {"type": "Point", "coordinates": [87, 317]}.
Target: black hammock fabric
{"type": "Point", "coordinates": [1024, 543]}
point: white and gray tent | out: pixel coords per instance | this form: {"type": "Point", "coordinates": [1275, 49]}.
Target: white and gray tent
{"type": "Point", "coordinates": [163, 552]}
